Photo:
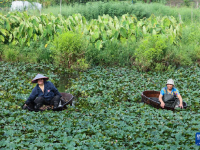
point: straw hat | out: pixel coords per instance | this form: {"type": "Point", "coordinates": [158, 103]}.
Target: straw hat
{"type": "Point", "coordinates": [39, 76]}
{"type": "Point", "coordinates": [170, 81]}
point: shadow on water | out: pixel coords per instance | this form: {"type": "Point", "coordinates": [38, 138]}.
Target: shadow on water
{"type": "Point", "coordinates": [65, 81]}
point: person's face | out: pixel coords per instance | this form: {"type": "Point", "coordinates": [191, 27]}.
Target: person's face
{"type": "Point", "coordinates": [169, 86]}
{"type": "Point", "coordinates": [40, 81]}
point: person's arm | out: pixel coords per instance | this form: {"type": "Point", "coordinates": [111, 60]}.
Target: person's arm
{"type": "Point", "coordinates": [162, 104]}
{"type": "Point", "coordinates": [179, 97]}
{"type": "Point", "coordinates": [181, 101]}
{"type": "Point", "coordinates": [32, 96]}
{"type": "Point", "coordinates": [55, 90]}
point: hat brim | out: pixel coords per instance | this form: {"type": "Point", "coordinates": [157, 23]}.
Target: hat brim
{"type": "Point", "coordinates": [35, 80]}
{"type": "Point", "coordinates": [170, 84]}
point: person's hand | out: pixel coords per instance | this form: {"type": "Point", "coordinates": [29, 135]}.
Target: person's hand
{"type": "Point", "coordinates": [162, 104]}
{"type": "Point", "coordinates": [24, 107]}
{"type": "Point", "coordinates": [181, 105]}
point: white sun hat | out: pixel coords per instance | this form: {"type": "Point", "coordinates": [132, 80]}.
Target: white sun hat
{"type": "Point", "coordinates": [39, 76]}
{"type": "Point", "coordinates": [170, 81]}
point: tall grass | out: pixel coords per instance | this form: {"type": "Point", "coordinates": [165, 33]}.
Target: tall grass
{"type": "Point", "coordinates": [94, 9]}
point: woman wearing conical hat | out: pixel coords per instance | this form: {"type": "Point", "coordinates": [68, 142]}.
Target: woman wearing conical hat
{"type": "Point", "coordinates": [170, 96]}
{"type": "Point", "coordinates": [43, 93]}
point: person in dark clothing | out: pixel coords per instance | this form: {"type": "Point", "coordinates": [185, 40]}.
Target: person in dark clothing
{"type": "Point", "coordinates": [43, 93]}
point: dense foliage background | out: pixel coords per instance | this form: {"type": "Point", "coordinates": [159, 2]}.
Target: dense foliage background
{"type": "Point", "coordinates": [106, 54]}
{"type": "Point", "coordinates": [153, 43]}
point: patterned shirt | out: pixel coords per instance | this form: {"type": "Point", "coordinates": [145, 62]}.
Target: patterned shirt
{"type": "Point", "coordinates": [173, 92]}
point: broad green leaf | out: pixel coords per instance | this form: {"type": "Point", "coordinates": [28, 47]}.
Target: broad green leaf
{"type": "Point", "coordinates": [144, 30]}
{"type": "Point", "coordinates": [10, 38]}
{"type": "Point", "coordinates": [3, 31]}
{"type": "Point", "coordinates": [132, 26]}
{"type": "Point", "coordinates": [35, 37]}
{"type": "Point", "coordinates": [40, 28]}
{"type": "Point", "coordinates": [166, 22]}
{"type": "Point", "coordinates": [104, 35]}
{"type": "Point", "coordinates": [154, 32]}
{"type": "Point", "coordinates": [98, 44]}
{"type": "Point", "coordinates": [2, 38]}
{"type": "Point", "coordinates": [94, 36]}
{"type": "Point", "coordinates": [116, 35]}
{"type": "Point", "coordinates": [123, 40]}
{"type": "Point", "coordinates": [30, 32]}
{"type": "Point", "coordinates": [123, 32]}
{"type": "Point", "coordinates": [7, 25]}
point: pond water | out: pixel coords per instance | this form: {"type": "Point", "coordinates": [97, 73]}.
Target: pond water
{"type": "Point", "coordinates": [65, 82]}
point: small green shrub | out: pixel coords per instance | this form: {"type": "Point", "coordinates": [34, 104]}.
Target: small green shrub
{"type": "Point", "coordinates": [38, 52]}
{"type": "Point", "coordinates": [113, 53]}
{"type": "Point", "coordinates": [151, 52]}
{"type": "Point", "coordinates": [11, 54]}
{"type": "Point", "coordinates": [188, 50]}
{"type": "Point", "coordinates": [69, 51]}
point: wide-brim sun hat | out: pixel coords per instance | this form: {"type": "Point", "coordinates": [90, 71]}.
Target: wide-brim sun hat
{"type": "Point", "coordinates": [39, 76]}
{"type": "Point", "coordinates": [170, 81]}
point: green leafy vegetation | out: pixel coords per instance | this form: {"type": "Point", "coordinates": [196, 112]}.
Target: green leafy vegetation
{"type": "Point", "coordinates": [98, 41]}
{"type": "Point", "coordinates": [107, 112]}
{"type": "Point", "coordinates": [92, 10]}
{"type": "Point", "coordinates": [106, 115]}
{"type": "Point", "coordinates": [69, 49]}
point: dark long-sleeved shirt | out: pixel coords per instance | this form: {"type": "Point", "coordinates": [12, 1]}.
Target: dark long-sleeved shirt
{"type": "Point", "coordinates": [49, 92]}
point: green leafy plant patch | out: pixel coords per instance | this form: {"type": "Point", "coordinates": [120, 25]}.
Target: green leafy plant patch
{"type": "Point", "coordinates": [107, 113]}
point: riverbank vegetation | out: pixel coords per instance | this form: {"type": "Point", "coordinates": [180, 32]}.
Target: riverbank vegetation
{"type": "Point", "coordinates": [106, 55]}
{"type": "Point", "coordinates": [152, 43]}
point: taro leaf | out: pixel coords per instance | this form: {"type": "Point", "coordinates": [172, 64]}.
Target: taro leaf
{"type": "Point", "coordinates": [2, 38]}
{"type": "Point", "coordinates": [35, 23]}
{"type": "Point", "coordinates": [154, 32]}
{"type": "Point", "coordinates": [101, 26]}
{"type": "Point", "coordinates": [21, 27]}
{"type": "Point", "coordinates": [83, 20]}
{"type": "Point", "coordinates": [123, 32]}
{"type": "Point", "coordinates": [3, 31]}
{"type": "Point", "coordinates": [132, 27]}
{"type": "Point", "coordinates": [7, 24]}
{"type": "Point", "coordinates": [30, 31]}
{"type": "Point", "coordinates": [49, 29]}
{"type": "Point", "coordinates": [94, 36]}
{"type": "Point", "coordinates": [35, 37]}
{"type": "Point", "coordinates": [16, 33]}
{"type": "Point", "coordinates": [144, 30]}
{"type": "Point", "coordinates": [104, 35]}
{"type": "Point", "coordinates": [166, 22]}
{"type": "Point", "coordinates": [116, 34]}
{"type": "Point", "coordinates": [45, 32]}
{"type": "Point", "coordinates": [10, 38]}
{"type": "Point", "coordinates": [98, 44]}
{"type": "Point", "coordinates": [123, 40]}
{"type": "Point", "coordinates": [40, 28]}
